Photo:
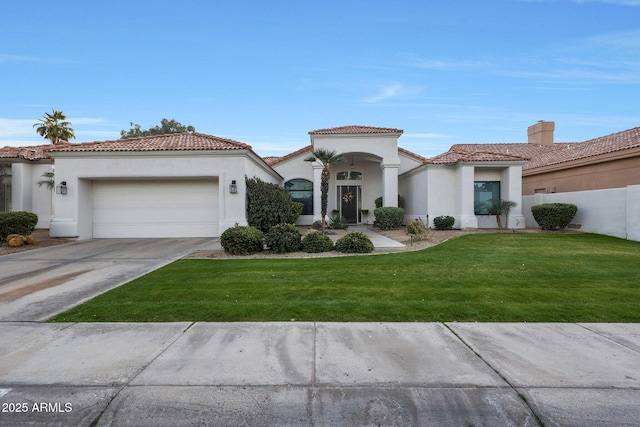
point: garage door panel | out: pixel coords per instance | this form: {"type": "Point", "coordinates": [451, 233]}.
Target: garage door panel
{"type": "Point", "coordinates": [186, 208]}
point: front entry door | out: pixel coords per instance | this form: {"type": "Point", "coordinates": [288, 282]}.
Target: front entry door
{"type": "Point", "coordinates": [349, 202]}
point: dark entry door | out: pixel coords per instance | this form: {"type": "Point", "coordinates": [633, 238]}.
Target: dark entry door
{"type": "Point", "coordinates": [349, 201]}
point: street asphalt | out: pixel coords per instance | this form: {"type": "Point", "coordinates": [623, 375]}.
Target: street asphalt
{"type": "Point", "coordinates": [288, 373]}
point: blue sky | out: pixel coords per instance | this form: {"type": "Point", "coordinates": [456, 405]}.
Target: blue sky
{"type": "Point", "coordinates": [268, 72]}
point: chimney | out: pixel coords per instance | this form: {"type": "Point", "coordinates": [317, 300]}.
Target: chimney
{"type": "Point", "coordinates": [541, 133]}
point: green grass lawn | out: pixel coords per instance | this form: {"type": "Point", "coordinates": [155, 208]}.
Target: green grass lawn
{"type": "Point", "coordinates": [510, 277]}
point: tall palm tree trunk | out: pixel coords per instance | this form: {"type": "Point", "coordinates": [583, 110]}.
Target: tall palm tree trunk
{"type": "Point", "coordinates": [324, 195]}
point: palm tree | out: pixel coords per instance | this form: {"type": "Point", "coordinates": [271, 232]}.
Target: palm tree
{"type": "Point", "coordinates": [326, 158]}
{"type": "Point", "coordinates": [52, 126]}
{"type": "Point", "coordinates": [48, 180]}
{"type": "Point", "coordinates": [502, 207]}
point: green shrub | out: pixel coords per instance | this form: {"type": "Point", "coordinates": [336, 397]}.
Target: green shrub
{"type": "Point", "coordinates": [295, 210]}
{"type": "Point", "coordinates": [354, 243]}
{"type": "Point", "coordinates": [554, 216]}
{"type": "Point", "coordinates": [444, 222]}
{"type": "Point", "coordinates": [316, 241]}
{"type": "Point", "coordinates": [283, 238]}
{"type": "Point", "coordinates": [242, 240]}
{"type": "Point", "coordinates": [338, 223]}
{"type": "Point", "coordinates": [388, 218]}
{"type": "Point", "coordinates": [19, 222]}
{"type": "Point", "coordinates": [269, 205]}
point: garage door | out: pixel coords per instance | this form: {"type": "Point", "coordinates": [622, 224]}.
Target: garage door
{"type": "Point", "coordinates": [159, 208]}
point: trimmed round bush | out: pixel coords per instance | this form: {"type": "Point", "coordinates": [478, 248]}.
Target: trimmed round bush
{"type": "Point", "coordinates": [354, 243]}
{"type": "Point", "coordinates": [242, 240]}
{"type": "Point", "coordinates": [283, 238]}
{"type": "Point", "coordinates": [19, 222]}
{"type": "Point", "coordinates": [316, 241]}
{"type": "Point", "coordinates": [388, 218]}
{"type": "Point", "coordinates": [554, 216]}
{"type": "Point", "coordinates": [444, 222]}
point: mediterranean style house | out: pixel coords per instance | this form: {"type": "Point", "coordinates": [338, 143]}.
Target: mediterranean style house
{"type": "Point", "coordinates": [191, 184]}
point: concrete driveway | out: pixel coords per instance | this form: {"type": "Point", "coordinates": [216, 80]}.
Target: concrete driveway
{"type": "Point", "coordinates": [36, 285]}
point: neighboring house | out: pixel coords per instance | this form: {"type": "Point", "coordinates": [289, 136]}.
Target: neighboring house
{"type": "Point", "coordinates": [21, 168]}
{"type": "Point", "coordinates": [601, 176]}
{"type": "Point", "coordinates": [611, 161]}
{"type": "Point", "coordinates": [191, 184]}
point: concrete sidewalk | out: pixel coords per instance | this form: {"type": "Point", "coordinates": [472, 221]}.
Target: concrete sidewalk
{"type": "Point", "coordinates": [333, 374]}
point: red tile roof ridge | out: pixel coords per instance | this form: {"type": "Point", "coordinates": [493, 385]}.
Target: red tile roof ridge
{"type": "Point", "coordinates": [33, 152]}
{"type": "Point", "coordinates": [288, 156]}
{"type": "Point", "coordinates": [354, 129]}
{"type": "Point", "coordinates": [185, 141]}
{"type": "Point", "coordinates": [423, 159]}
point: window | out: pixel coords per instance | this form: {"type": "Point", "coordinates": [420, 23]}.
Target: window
{"type": "Point", "coordinates": [349, 176]}
{"type": "Point", "coordinates": [301, 190]}
{"type": "Point", "coordinates": [485, 192]}
{"type": "Point", "coordinates": [5, 193]}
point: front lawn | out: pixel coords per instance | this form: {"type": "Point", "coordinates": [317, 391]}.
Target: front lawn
{"type": "Point", "coordinates": [502, 277]}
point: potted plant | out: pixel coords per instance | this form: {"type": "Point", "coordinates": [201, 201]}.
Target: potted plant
{"type": "Point", "coordinates": [364, 211]}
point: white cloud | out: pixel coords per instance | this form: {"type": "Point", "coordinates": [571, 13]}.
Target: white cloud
{"type": "Point", "coordinates": [386, 92]}
{"type": "Point", "coordinates": [20, 132]}
{"type": "Point", "coordinates": [439, 64]}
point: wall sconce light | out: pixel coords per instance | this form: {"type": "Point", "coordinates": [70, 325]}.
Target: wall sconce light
{"type": "Point", "coordinates": [233, 188]}
{"type": "Point", "coordinates": [61, 188]}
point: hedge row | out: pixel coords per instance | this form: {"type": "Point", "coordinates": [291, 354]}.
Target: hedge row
{"type": "Point", "coordinates": [247, 240]}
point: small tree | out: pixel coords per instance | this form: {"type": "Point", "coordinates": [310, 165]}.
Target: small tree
{"type": "Point", "coordinates": [502, 207]}
{"type": "Point", "coordinates": [326, 158]}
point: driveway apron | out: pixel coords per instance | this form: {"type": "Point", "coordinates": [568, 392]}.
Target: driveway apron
{"type": "Point", "coordinates": [36, 285]}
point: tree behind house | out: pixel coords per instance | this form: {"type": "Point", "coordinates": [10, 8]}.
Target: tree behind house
{"type": "Point", "coordinates": [54, 127]}
{"type": "Point", "coordinates": [166, 127]}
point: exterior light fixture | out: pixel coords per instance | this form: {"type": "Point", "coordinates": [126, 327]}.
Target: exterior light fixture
{"type": "Point", "coordinates": [61, 188]}
{"type": "Point", "coordinates": [233, 188]}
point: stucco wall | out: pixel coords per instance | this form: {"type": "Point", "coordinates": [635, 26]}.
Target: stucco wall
{"type": "Point", "coordinates": [613, 212]}
{"type": "Point", "coordinates": [25, 193]}
{"type": "Point", "coordinates": [73, 211]}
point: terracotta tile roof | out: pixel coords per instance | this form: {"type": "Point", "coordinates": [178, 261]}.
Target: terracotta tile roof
{"type": "Point", "coordinates": [276, 160]}
{"type": "Point", "coordinates": [547, 155]}
{"type": "Point", "coordinates": [414, 155]}
{"type": "Point", "coordinates": [476, 153]}
{"type": "Point", "coordinates": [340, 130]}
{"type": "Point", "coordinates": [36, 152]}
{"type": "Point", "coordinates": [170, 142]}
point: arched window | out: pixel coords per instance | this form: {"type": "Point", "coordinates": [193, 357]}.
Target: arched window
{"type": "Point", "coordinates": [301, 190]}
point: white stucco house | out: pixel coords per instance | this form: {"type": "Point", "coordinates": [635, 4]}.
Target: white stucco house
{"type": "Point", "coordinates": [191, 184]}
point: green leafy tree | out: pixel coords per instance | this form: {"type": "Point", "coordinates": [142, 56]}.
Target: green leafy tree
{"type": "Point", "coordinates": [326, 158]}
{"type": "Point", "coordinates": [54, 127]}
{"type": "Point", "coordinates": [166, 127]}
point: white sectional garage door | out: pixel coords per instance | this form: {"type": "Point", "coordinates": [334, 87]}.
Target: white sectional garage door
{"type": "Point", "coordinates": [157, 208]}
